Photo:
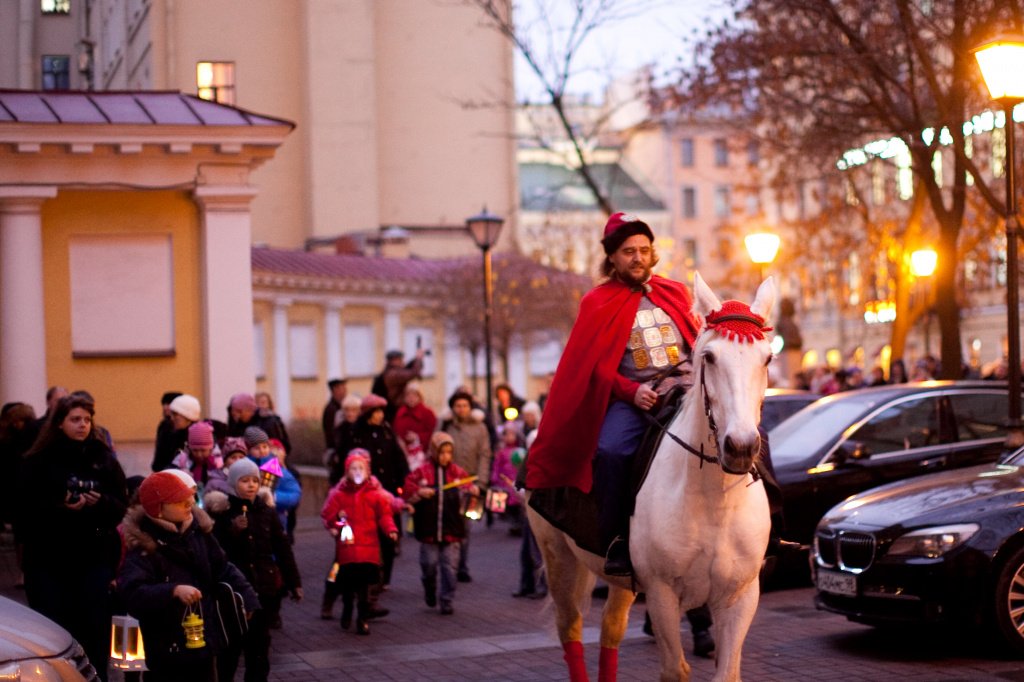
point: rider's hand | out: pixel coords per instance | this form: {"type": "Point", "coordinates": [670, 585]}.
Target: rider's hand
{"type": "Point", "coordinates": [645, 397]}
{"type": "Point", "coordinates": [426, 493]}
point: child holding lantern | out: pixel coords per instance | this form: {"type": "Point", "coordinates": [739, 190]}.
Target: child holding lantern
{"type": "Point", "coordinates": [435, 491]}
{"type": "Point", "coordinates": [356, 512]}
{"type": "Point", "coordinates": [171, 568]}
{"type": "Point", "coordinates": [251, 534]}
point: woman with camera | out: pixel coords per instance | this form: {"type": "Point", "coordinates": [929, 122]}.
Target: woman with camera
{"type": "Point", "coordinates": [73, 497]}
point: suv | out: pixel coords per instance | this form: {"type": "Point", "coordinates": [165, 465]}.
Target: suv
{"type": "Point", "coordinates": [35, 649]}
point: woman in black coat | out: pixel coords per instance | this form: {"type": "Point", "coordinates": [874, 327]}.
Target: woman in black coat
{"type": "Point", "coordinates": [73, 496]}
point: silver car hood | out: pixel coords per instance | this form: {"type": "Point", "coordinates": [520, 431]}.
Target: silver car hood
{"type": "Point", "coordinates": [27, 634]}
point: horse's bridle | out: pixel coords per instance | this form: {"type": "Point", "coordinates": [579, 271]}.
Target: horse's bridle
{"type": "Point", "coordinates": [708, 413]}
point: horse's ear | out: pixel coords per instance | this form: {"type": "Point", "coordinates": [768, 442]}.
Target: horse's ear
{"type": "Point", "coordinates": [704, 300]}
{"type": "Point", "coordinates": [765, 299]}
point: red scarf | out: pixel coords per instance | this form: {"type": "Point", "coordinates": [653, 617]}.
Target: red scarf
{"type": "Point", "coordinates": [582, 387]}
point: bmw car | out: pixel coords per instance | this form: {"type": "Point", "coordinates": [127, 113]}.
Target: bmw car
{"type": "Point", "coordinates": [946, 548]}
{"type": "Point", "coordinates": [35, 649]}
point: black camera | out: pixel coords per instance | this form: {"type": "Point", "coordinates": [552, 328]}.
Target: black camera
{"type": "Point", "coordinates": [77, 487]}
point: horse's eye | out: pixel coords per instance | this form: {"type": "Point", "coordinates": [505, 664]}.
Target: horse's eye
{"type": "Point", "coordinates": [709, 357]}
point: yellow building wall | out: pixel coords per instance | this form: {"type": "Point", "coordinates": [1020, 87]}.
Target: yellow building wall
{"type": "Point", "coordinates": [127, 389]}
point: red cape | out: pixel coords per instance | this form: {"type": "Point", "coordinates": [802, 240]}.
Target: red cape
{"type": "Point", "coordinates": [582, 387]}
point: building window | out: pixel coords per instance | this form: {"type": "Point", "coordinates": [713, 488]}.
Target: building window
{"type": "Point", "coordinates": [55, 6]}
{"type": "Point", "coordinates": [689, 202]}
{"type": "Point", "coordinates": [360, 350]}
{"type": "Point", "coordinates": [303, 359]}
{"type": "Point", "coordinates": [686, 152]}
{"type": "Point", "coordinates": [216, 81]}
{"type": "Point", "coordinates": [753, 203]}
{"type": "Point", "coordinates": [723, 207]}
{"type": "Point", "coordinates": [721, 152]}
{"type": "Point", "coordinates": [690, 254]}
{"type": "Point", "coordinates": [753, 152]}
{"type": "Point", "coordinates": [55, 72]}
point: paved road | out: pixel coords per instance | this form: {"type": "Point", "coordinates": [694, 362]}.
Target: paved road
{"type": "Point", "coordinates": [495, 637]}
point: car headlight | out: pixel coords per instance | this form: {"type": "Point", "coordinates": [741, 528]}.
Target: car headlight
{"type": "Point", "coordinates": [932, 542]}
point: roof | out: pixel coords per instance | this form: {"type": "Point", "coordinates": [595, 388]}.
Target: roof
{"type": "Point", "coordinates": [124, 108]}
{"type": "Point", "coordinates": [352, 273]}
{"type": "Point", "coordinates": [554, 187]}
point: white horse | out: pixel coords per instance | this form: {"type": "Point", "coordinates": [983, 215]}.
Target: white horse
{"type": "Point", "coordinates": [701, 522]}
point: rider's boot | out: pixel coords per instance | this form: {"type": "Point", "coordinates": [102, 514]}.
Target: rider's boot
{"type": "Point", "coordinates": [608, 665]}
{"type": "Point", "coordinates": [617, 561]}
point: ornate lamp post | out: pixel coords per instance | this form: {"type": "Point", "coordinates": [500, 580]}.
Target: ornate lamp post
{"type": "Point", "coordinates": [485, 228]}
{"type": "Point", "coordinates": [922, 264]}
{"type": "Point", "coordinates": [762, 248]}
{"type": "Point", "coordinates": [1002, 65]}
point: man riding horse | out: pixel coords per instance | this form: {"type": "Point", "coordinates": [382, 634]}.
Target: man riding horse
{"type": "Point", "coordinates": [630, 346]}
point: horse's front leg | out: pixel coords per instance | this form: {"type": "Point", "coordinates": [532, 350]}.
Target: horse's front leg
{"type": "Point", "coordinates": [614, 620]}
{"type": "Point", "coordinates": [663, 606]}
{"type": "Point", "coordinates": [731, 625]}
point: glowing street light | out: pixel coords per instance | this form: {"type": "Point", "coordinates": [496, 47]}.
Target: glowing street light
{"type": "Point", "coordinates": [1002, 65]}
{"type": "Point", "coordinates": [485, 228]}
{"type": "Point", "coordinates": [762, 247]}
{"type": "Point", "coordinates": [923, 262]}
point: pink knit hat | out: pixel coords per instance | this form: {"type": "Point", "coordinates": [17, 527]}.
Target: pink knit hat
{"type": "Point", "coordinates": [200, 435]}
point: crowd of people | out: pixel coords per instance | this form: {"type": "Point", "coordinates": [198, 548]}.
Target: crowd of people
{"type": "Point", "coordinates": [217, 514]}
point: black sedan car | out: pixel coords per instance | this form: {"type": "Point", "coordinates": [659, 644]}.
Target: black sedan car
{"type": "Point", "coordinates": [782, 403]}
{"type": "Point", "coordinates": [946, 548]}
{"type": "Point", "coordinates": [848, 442]}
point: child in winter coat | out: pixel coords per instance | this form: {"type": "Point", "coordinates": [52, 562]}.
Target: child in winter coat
{"type": "Point", "coordinates": [251, 534]}
{"type": "Point", "coordinates": [288, 491]}
{"type": "Point", "coordinates": [504, 470]}
{"type": "Point", "coordinates": [356, 511]}
{"type": "Point", "coordinates": [437, 520]}
{"type": "Point", "coordinates": [201, 457]}
{"type": "Point", "coordinates": [173, 564]}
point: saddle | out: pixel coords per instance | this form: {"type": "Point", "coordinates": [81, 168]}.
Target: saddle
{"type": "Point", "coordinates": [574, 512]}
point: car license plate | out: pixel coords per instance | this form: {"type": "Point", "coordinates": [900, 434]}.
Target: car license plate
{"type": "Point", "coordinates": [837, 583]}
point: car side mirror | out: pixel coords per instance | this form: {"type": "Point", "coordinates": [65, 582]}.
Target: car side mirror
{"type": "Point", "coordinates": [851, 451]}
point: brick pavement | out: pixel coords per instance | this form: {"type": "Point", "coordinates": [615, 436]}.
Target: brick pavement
{"type": "Point", "coordinates": [495, 637]}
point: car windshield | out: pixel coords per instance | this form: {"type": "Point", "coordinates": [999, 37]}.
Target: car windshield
{"type": "Point", "coordinates": [1016, 458]}
{"type": "Point", "coordinates": [821, 422]}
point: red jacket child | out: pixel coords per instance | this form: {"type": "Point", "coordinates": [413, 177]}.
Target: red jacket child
{"type": "Point", "coordinates": [355, 510]}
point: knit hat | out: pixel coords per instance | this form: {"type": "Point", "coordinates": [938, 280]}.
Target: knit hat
{"type": "Point", "coordinates": [234, 445]}
{"type": "Point", "coordinates": [437, 440]}
{"type": "Point", "coordinates": [530, 407]}
{"type": "Point", "coordinates": [620, 227]}
{"type": "Point", "coordinates": [185, 477]}
{"type": "Point", "coordinates": [162, 488]}
{"type": "Point", "coordinates": [352, 400]}
{"type": "Point", "coordinates": [200, 435]}
{"type": "Point", "coordinates": [356, 454]}
{"type": "Point", "coordinates": [254, 435]}
{"type": "Point", "coordinates": [187, 406]}
{"type": "Point", "coordinates": [243, 401]}
{"type": "Point", "coordinates": [241, 468]}
{"type": "Point", "coordinates": [372, 402]}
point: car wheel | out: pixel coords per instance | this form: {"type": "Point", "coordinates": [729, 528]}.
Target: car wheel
{"type": "Point", "coordinates": [1009, 602]}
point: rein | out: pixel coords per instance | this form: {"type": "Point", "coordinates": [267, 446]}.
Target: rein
{"type": "Point", "coordinates": [708, 413]}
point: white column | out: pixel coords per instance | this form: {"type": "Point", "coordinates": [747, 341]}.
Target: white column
{"type": "Point", "coordinates": [282, 363]}
{"type": "Point", "coordinates": [227, 318]}
{"type": "Point", "coordinates": [22, 313]}
{"type": "Point", "coordinates": [332, 337]}
{"type": "Point", "coordinates": [393, 327]}
{"type": "Point", "coordinates": [517, 374]}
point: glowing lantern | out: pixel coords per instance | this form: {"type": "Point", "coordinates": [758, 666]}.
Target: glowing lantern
{"type": "Point", "coordinates": [270, 473]}
{"type": "Point", "coordinates": [126, 650]}
{"type": "Point", "coordinates": [472, 507]}
{"type": "Point", "coordinates": [193, 626]}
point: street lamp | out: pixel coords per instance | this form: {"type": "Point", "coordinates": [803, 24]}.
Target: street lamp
{"type": "Point", "coordinates": [762, 248]}
{"type": "Point", "coordinates": [485, 228]}
{"type": "Point", "coordinates": [922, 264]}
{"type": "Point", "coordinates": [1002, 66]}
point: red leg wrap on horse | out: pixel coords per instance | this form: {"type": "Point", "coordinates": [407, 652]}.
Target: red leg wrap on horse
{"type": "Point", "coordinates": [608, 665]}
{"type": "Point", "coordinates": [574, 659]}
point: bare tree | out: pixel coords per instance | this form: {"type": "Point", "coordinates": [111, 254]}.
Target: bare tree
{"type": "Point", "coordinates": [817, 78]}
{"type": "Point", "coordinates": [550, 45]}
